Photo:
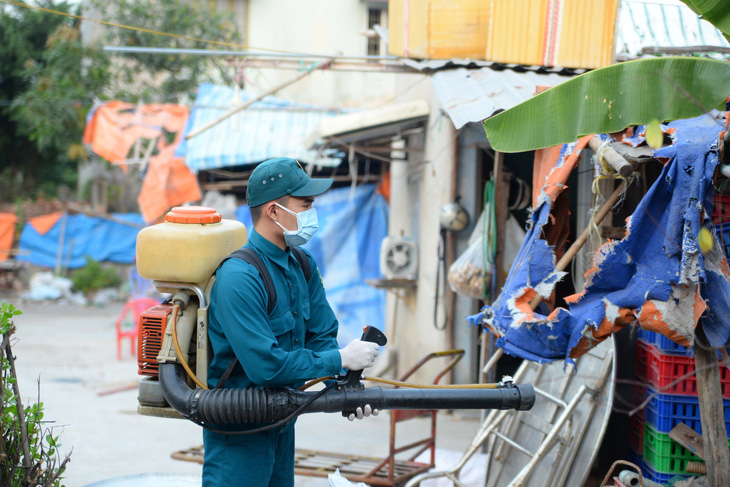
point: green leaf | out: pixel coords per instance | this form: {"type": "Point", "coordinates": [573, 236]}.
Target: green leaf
{"type": "Point", "coordinates": [714, 11]}
{"type": "Point", "coordinates": [610, 99]}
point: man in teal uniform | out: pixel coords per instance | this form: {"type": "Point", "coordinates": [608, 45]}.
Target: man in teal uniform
{"type": "Point", "coordinates": [294, 343]}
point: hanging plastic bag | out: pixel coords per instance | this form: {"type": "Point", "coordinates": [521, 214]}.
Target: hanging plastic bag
{"type": "Point", "coordinates": [471, 274]}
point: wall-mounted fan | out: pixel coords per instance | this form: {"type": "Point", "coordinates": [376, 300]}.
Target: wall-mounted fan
{"type": "Point", "coordinates": [398, 258]}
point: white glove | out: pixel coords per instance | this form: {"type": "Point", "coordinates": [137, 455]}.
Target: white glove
{"type": "Point", "coordinates": [359, 413]}
{"type": "Point", "coordinates": [358, 355]}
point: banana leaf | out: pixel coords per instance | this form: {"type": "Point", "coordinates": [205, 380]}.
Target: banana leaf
{"type": "Point", "coordinates": [610, 99]}
{"type": "Point", "coordinates": [714, 11]}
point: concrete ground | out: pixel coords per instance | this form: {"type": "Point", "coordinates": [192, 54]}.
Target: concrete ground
{"type": "Point", "coordinates": [90, 399]}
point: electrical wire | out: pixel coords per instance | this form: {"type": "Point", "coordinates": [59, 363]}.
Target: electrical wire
{"type": "Point", "coordinates": [166, 34]}
{"type": "Point", "coordinates": [281, 422]}
{"type": "Point", "coordinates": [130, 27]}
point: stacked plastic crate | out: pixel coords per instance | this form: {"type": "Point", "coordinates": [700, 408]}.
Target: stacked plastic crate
{"type": "Point", "coordinates": [659, 364]}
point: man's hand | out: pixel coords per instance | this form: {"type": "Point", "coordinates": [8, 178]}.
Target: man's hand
{"type": "Point", "coordinates": [359, 413]}
{"type": "Point", "coordinates": [358, 355]}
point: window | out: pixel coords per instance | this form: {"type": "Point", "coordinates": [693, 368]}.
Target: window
{"type": "Point", "coordinates": [374, 15]}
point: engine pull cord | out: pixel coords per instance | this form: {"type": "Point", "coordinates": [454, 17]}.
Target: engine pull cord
{"type": "Point", "coordinates": [180, 356]}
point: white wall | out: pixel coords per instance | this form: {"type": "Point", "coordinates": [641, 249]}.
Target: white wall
{"type": "Point", "coordinates": [425, 185]}
{"type": "Point", "coordinates": [329, 27]}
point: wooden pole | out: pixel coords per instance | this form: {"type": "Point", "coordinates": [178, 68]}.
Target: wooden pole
{"type": "Point", "coordinates": [61, 238]}
{"type": "Point", "coordinates": [233, 111]}
{"type": "Point", "coordinates": [501, 212]}
{"type": "Point", "coordinates": [501, 201]}
{"type": "Point", "coordinates": [712, 414]}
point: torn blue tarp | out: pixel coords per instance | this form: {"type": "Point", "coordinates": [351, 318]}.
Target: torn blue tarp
{"type": "Point", "coordinates": [656, 276]}
{"type": "Point", "coordinates": [347, 250]}
{"type": "Point", "coordinates": [80, 236]}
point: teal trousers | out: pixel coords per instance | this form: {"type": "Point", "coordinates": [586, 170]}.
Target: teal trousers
{"type": "Point", "coordinates": [256, 460]}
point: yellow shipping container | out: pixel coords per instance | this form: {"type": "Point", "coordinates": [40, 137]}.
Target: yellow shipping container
{"type": "Point", "coordinates": [568, 33]}
{"type": "Point", "coordinates": [437, 29]}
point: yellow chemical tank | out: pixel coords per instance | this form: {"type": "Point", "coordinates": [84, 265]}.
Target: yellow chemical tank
{"type": "Point", "coordinates": [188, 246]}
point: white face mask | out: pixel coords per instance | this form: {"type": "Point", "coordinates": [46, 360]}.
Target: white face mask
{"type": "Point", "coordinates": [307, 226]}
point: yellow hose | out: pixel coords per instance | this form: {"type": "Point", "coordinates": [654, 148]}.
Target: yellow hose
{"type": "Point", "coordinates": [407, 384]}
{"type": "Point", "coordinates": [180, 356]}
{"type": "Point", "coordinates": [431, 386]}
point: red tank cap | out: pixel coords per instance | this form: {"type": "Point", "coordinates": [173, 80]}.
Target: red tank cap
{"type": "Point", "coordinates": [193, 214]}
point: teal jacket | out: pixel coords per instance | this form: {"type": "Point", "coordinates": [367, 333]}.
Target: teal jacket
{"type": "Point", "coordinates": [297, 342]}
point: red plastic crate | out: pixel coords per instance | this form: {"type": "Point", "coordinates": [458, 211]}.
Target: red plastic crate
{"type": "Point", "coordinates": [642, 350]}
{"type": "Point", "coordinates": [662, 369]}
{"type": "Point", "coordinates": [636, 433]}
{"type": "Point", "coordinates": [720, 208]}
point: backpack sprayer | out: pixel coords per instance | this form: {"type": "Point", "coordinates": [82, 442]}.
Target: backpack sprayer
{"type": "Point", "coordinates": [180, 256]}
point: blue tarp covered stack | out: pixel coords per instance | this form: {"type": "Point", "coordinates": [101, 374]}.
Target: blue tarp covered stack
{"type": "Point", "coordinates": [656, 276]}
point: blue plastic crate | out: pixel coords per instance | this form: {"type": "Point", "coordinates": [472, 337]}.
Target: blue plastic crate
{"type": "Point", "coordinates": [665, 411]}
{"type": "Point", "coordinates": [633, 457]}
{"type": "Point", "coordinates": [662, 343]}
{"type": "Point", "coordinates": [663, 478]}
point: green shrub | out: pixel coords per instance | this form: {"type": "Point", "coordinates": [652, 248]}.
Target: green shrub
{"type": "Point", "coordinates": [93, 276]}
{"type": "Point", "coordinates": [29, 454]}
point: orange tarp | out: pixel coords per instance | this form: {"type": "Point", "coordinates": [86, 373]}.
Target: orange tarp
{"type": "Point", "coordinates": [547, 177]}
{"type": "Point", "coordinates": [7, 232]}
{"type": "Point", "coordinates": [168, 183]}
{"type": "Point", "coordinates": [42, 224]}
{"type": "Point", "coordinates": [115, 126]}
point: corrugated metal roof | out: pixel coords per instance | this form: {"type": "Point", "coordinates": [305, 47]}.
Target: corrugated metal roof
{"type": "Point", "coordinates": [656, 24]}
{"type": "Point", "coordinates": [270, 128]}
{"type": "Point", "coordinates": [471, 95]}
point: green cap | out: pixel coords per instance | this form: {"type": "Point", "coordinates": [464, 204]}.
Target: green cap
{"type": "Point", "coordinates": [279, 177]}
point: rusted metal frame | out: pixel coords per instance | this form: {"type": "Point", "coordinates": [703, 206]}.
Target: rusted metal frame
{"type": "Point", "coordinates": [459, 354]}
{"type": "Point", "coordinates": [334, 66]}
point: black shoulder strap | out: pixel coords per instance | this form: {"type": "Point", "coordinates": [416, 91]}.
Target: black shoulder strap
{"type": "Point", "coordinates": [303, 262]}
{"type": "Point", "coordinates": [249, 255]}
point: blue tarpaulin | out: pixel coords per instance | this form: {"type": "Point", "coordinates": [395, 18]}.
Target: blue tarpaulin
{"type": "Point", "coordinates": [656, 276]}
{"type": "Point", "coordinates": [98, 238]}
{"type": "Point", "coordinates": [347, 250]}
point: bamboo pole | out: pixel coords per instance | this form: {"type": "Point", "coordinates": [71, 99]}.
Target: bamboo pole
{"type": "Point", "coordinates": [581, 240]}
{"type": "Point", "coordinates": [233, 111]}
{"type": "Point", "coordinates": [613, 158]}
